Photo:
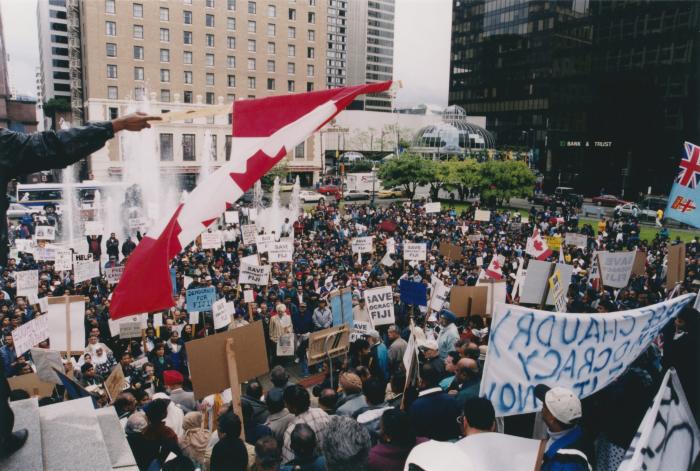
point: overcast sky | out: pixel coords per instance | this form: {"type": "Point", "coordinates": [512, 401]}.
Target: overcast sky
{"type": "Point", "coordinates": [421, 48]}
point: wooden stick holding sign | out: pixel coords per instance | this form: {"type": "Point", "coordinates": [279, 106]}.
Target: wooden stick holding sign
{"type": "Point", "coordinates": [235, 385]}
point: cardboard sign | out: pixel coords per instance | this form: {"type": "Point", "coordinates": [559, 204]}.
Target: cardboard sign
{"type": "Point", "coordinates": [200, 299]}
{"type": "Point", "coordinates": [640, 263]}
{"type": "Point", "coordinates": [328, 343]}
{"type": "Point", "coordinates": [263, 240]}
{"type": "Point", "coordinates": [249, 231]}
{"type": "Point", "coordinates": [43, 304]}
{"type": "Point", "coordinates": [341, 306]}
{"type": "Point", "coordinates": [281, 251]}
{"type": "Point", "coordinates": [254, 274]}
{"type": "Point", "coordinates": [64, 260]}
{"type": "Point", "coordinates": [193, 318]}
{"type": "Point", "coordinates": [130, 329]}
{"type": "Point", "coordinates": [450, 251]}
{"type": "Point", "coordinates": [114, 274]}
{"type": "Point", "coordinates": [45, 361]}
{"type": "Point", "coordinates": [360, 329]}
{"type": "Point", "coordinates": [577, 240]}
{"type": "Point", "coordinates": [438, 295]}
{"type": "Point", "coordinates": [157, 320]}
{"type": "Point", "coordinates": [253, 259]}
{"type": "Point", "coordinates": [553, 242]}
{"type": "Point", "coordinates": [114, 326]}
{"type": "Point", "coordinates": [537, 278]}
{"type": "Point", "coordinates": [495, 293]}
{"type": "Point", "coordinates": [115, 382]}
{"type": "Point", "coordinates": [248, 296]}
{"type": "Point", "coordinates": [285, 345]}
{"type": "Point", "coordinates": [27, 282]}
{"type": "Point", "coordinates": [45, 233]}
{"type": "Point", "coordinates": [482, 215]}
{"type": "Point", "coordinates": [93, 228]}
{"type": "Point", "coordinates": [529, 346]}
{"type": "Point", "coordinates": [222, 316]}
{"type": "Point", "coordinates": [31, 383]}
{"type": "Point", "coordinates": [231, 217]}
{"type": "Point", "coordinates": [47, 254]}
{"type": "Point", "coordinates": [432, 207]}
{"type": "Point", "coordinates": [84, 271]}
{"type": "Point", "coordinates": [676, 265]}
{"type": "Point", "coordinates": [362, 244]}
{"type": "Point", "coordinates": [616, 268]}
{"type": "Point", "coordinates": [211, 240]}
{"type": "Point", "coordinates": [380, 305]}
{"type": "Point", "coordinates": [67, 323]}
{"type": "Point", "coordinates": [25, 245]}
{"type": "Point", "coordinates": [468, 300]}
{"type": "Point", "coordinates": [413, 293]}
{"type": "Point", "coordinates": [205, 354]}
{"type": "Point", "coordinates": [30, 334]}
{"type": "Point", "coordinates": [415, 252]}
{"type": "Point", "coordinates": [556, 287]}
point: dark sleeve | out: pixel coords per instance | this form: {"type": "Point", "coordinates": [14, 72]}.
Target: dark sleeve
{"type": "Point", "coordinates": [27, 153]}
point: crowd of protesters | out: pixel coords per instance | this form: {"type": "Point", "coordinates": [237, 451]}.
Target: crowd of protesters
{"type": "Point", "coordinates": [361, 413]}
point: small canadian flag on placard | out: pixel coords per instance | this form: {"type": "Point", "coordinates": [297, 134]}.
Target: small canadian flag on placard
{"type": "Point", "coordinates": [537, 247]}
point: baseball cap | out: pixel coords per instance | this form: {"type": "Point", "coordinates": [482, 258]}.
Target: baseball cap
{"type": "Point", "coordinates": [564, 405]}
{"type": "Point", "coordinates": [429, 344]}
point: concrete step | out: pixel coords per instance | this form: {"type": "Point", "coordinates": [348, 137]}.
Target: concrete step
{"type": "Point", "coordinates": [118, 448]}
{"type": "Point", "coordinates": [29, 457]}
{"type": "Point", "coordinates": [72, 437]}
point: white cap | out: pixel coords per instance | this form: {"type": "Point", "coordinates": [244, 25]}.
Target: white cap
{"type": "Point", "coordinates": [564, 405]}
{"type": "Point", "coordinates": [429, 344]}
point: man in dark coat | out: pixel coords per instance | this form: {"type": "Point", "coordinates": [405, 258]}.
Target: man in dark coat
{"type": "Point", "coordinates": [434, 413]}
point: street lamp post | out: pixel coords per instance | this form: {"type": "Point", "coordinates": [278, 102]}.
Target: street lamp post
{"type": "Point", "coordinates": [374, 180]}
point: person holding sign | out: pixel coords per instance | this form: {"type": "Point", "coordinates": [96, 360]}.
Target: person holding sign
{"type": "Point", "coordinates": [281, 328]}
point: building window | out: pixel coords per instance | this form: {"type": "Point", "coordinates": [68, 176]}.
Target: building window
{"type": "Point", "coordinates": [312, 35]}
{"type": "Point", "coordinates": [139, 93]}
{"type": "Point", "coordinates": [252, 26]}
{"type": "Point", "coordinates": [227, 143]}
{"type": "Point", "coordinates": [231, 5]}
{"type": "Point", "coordinates": [61, 75]}
{"type": "Point", "coordinates": [309, 86]}
{"type": "Point", "coordinates": [111, 71]}
{"type": "Point", "coordinates": [231, 62]}
{"type": "Point", "coordinates": [231, 24]}
{"type": "Point", "coordinates": [209, 3]}
{"type": "Point", "coordinates": [292, 14]}
{"type": "Point", "coordinates": [110, 28]}
{"type": "Point", "coordinates": [231, 81]}
{"type": "Point", "coordinates": [210, 40]}
{"type": "Point", "coordinates": [166, 146]}
{"type": "Point", "coordinates": [188, 147]}
{"type": "Point", "coordinates": [209, 20]}
{"type": "Point", "coordinates": [209, 59]}
{"type": "Point", "coordinates": [165, 35]}
{"type": "Point", "coordinates": [291, 68]}
{"type": "Point", "coordinates": [59, 51]}
{"type": "Point", "coordinates": [214, 143]}
{"type": "Point", "coordinates": [111, 50]}
{"type": "Point", "coordinates": [290, 85]}
{"type": "Point", "coordinates": [252, 8]}
{"type": "Point", "coordinates": [164, 14]}
{"type": "Point", "coordinates": [310, 53]}
{"type": "Point", "coordinates": [187, 96]}
{"type": "Point", "coordinates": [55, 38]}
{"type": "Point", "coordinates": [60, 63]}
{"type": "Point", "coordinates": [187, 17]}
{"type": "Point", "coordinates": [187, 76]}
{"type": "Point", "coordinates": [291, 50]}
{"type": "Point", "coordinates": [209, 98]}
{"type": "Point", "coordinates": [165, 75]}
{"type": "Point", "coordinates": [138, 10]}
{"type": "Point", "coordinates": [138, 52]}
{"type": "Point", "coordinates": [251, 83]}
{"type": "Point", "coordinates": [271, 11]}
{"type": "Point", "coordinates": [138, 31]}
{"type": "Point", "coordinates": [251, 45]}
{"type": "Point", "coordinates": [271, 48]}
{"type": "Point", "coordinates": [271, 29]}
{"type": "Point", "coordinates": [138, 73]}
{"type": "Point", "coordinates": [251, 64]}
{"type": "Point", "coordinates": [112, 93]}
{"type": "Point", "coordinates": [210, 79]}
{"type": "Point", "coordinates": [187, 37]}
{"type": "Point", "coordinates": [310, 70]}
{"type": "Point", "coordinates": [231, 42]}
{"type": "Point", "coordinates": [270, 84]}
{"type": "Point", "coordinates": [291, 32]}
{"type": "Point", "coordinates": [165, 55]}
{"type": "Point", "coordinates": [110, 7]}
{"type": "Point", "coordinates": [312, 17]}
{"type": "Point", "coordinates": [165, 96]}
{"type": "Point", "coordinates": [113, 112]}
{"type": "Point", "coordinates": [271, 66]}
{"type": "Point", "coordinates": [187, 57]}
{"type": "Point", "coordinates": [299, 151]}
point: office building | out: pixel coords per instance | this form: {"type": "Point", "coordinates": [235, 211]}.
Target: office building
{"type": "Point", "coordinates": [52, 24]}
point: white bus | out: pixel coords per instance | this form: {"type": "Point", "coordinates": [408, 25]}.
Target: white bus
{"type": "Point", "coordinates": [41, 194]}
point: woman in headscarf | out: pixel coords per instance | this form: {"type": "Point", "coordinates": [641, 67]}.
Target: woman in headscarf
{"type": "Point", "coordinates": [94, 344]}
{"type": "Point", "coordinates": [195, 438]}
{"type": "Point", "coordinates": [103, 361]}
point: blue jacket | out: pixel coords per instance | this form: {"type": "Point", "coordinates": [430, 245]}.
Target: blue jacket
{"type": "Point", "coordinates": [434, 415]}
{"type": "Point", "coordinates": [565, 454]}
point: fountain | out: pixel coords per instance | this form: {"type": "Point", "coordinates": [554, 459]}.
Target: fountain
{"type": "Point", "coordinates": [69, 218]}
{"type": "Point", "coordinates": [272, 218]}
{"type": "Point", "coordinates": [207, 157]}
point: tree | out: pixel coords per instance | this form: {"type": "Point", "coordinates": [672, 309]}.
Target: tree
{"type": "Point", "coordinates": [280, 170]}
{"type": "Point", "coordinates": [436, 176]}
{"type": "Point", "coordinates": [462, 175]}
{"type": "Point", "coordinates": [499, 181]}
{"type": "Point", "coordinates": [407, 171]}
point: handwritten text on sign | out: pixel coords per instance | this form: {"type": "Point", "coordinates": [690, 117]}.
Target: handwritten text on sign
{"type": "Point", "coordinates": [254, 274]}
{"type": "Point", "coordinates": [582, 352]}
{"type": "Point", "coordinates": [200, 299]}
{"type": "Point", "coordinates": [362, 244]}
{"type": "Point", "coordinates": [27, 282]}
{"type": "Point", "coordinates": [282, 251]}
{"type": "Point", "coordinates": [114, 274]}
{"type": "Point", "coordinates": [380, 305]}
{"type": "Point", "coordinates": [30, 334]}
{"type": "Point", "coordinates": [248, 231]}
{"type": "Point", "coordinates": [416, 252]}
{"type": "Point", "coordinates": [616, 268]}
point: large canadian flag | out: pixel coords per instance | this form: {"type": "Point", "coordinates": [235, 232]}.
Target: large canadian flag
{"type": "Point", "coordinates": [495, 268]}
{"type": "Point", "coordinates": [537, 247]}
{"type": "Point", "coordinates": [264, 131]}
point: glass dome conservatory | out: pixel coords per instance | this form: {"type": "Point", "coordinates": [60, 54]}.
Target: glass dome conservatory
{"type": "Point", "coordinates": [453, 136]}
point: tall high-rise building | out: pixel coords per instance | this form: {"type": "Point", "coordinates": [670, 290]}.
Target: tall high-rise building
{"type": "Point", "coordinates": [603, 92]}
{"type": "Point", "coordinates": [336, 37]}
{"type": "Point", "coordinates": [52, 23]}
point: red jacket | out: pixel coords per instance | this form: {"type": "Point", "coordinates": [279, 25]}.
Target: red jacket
{"type": "Point", "coordinates": [385, 457]}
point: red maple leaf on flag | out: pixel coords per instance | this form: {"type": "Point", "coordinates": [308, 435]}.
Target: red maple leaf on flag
{"type": "Point", "coordinates": [538, 245]}
{"type": "Point", "coordinates": [496, 265]}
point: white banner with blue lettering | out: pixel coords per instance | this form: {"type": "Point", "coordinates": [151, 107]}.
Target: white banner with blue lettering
{"type": "Point", "coordinates": [582, 352]}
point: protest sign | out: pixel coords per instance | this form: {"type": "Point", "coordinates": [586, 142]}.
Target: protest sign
{"type": "Point", "coordinates": [432, 207]}
{"type": "Point", "coordinates": [193, 317]}
{"type": "Point", "coordinates": [200, 299]}
{"type": "Point", "coordinates": [251, 358]}
{"type": "Point", "coordinates": [438, 296]}
{"type": "Point", "coordinates": [115, 382]}
{"type": "Point", "coordinates": [495, 293]}
{"type": "Point", "coordinates": [536, 279]}
{"type": "Point", "coordinates": [577, 240]}
{"type": "Point", "coordinates": [253, 259]}
{"type": "Point", "coordinates": [93, 228]}
{"type": "Point", "coordinates": [45, 233]}
{"type": "Point", "coordinates": [114, 326]}
{"type": "Point", "coordinates": [285, 345]}
{"type": "Point", "coordinates": [231, 217]}
{"type": "Point", "coordinates": [64, 260]}
{"type": "Point", "coordinates": [556, 287]}
{"type": "Point", "coordinates": [668, 437]}
{"type": "Point", "coordinates": [413, 292]}
{"type": "Point", "coordinates": [281, 251]}
{"type": "Point", "coordinates": [359, 329]}
{"type": "Point", "coordinates": [380, 305]}
{"type": "Point", "coordinates": [45, 361]}
{"type": "Point", "coordinates": [157, 320]}
{"type": "Point", "coordinates": [390, 246]}
{"type": "Point", "coordinates": [676, 265]}
{"type": "Point", "coordinates": [474, 237]}
{"type": "Point", "coordinates": [222, 317]}
{"type": "Point", "coordinates": [341, 306]}
{"type": "Point", "coordinates": [129, 329]}
{"type": "Point", "coordinates": [328, 343]}
{"type": "Point", "coordinates": [137, 224]}
{"type": "Point", "coordinates": [27, 282]}
{"type": "Point", "coordinates": [43, 304]}
{"type": "Point", "coordinates": [262, 241]}
{"type": "Point", "coordinates": [249, 231]}
{"type": "Point", "coordinates": [32, 384]}
{"type": "Point", "coordinates": [46, 253]}
{"type": "Point", "coordinates": [67, 323]}
{"type": "Point", "coordinates": [482, 215]}
{"type": "Point", "coordinates": [553, 242]}
{"type": "Point", "coordinates": [254, 274]}
{"type": "Point", "coordinates": [362, 244]}
{"type": "Point", "coordinates": [450, 251]}
{"type": "Point", "coordinates": [25, 245]}
{"type": "Point", "coordinates": [415, 252]}
{"type": "Point", "coordinates": [616, 268]}
{"type": "Point", "coordinates": [114, 274]}
{"type": "Point", "coordinates": [83, 271]}
{"type": "Point", "coordinates": [30, 334]}
{"type": "Point", "coordinates": [468, 300]}
{"type": "Point", "coordinates": [640, 261]}
{"type": "Point", "coordinates": [211, 240]}
{"type": "Point", "coordinates": [582, 352]}
{"type": "Point", "coordinates": [248, 296]}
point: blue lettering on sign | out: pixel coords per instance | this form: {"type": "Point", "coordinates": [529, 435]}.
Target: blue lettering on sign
{"type": "Point", "coordinates": [524, 361]}
{"type": "Point", "coordinates": [546, 339]}
{"type": "Point", "coordinates": [493, 345]}
{"type": "Point", "coordinates": [607, 352]}
{"type": "Point", "coordinates": [588, 356]}
{"type": "Point", "coordinates": [569, 365]}
{"type": "Point", "coordinates": [557, 357]}
{"type": "Point", "coordinates": [564, 340]}
{"type": "Point", "coordinates": [200, 299]}
{"type": "Point", "coordinates": [524, 328]}
{"type": "Point", "coordinates": [591, 332]}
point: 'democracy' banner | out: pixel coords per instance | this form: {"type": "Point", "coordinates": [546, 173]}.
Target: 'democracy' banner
{"type": "Point", "coordinates": [582, 352]}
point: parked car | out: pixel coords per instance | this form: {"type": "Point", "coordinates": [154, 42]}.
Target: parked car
{"type": "Point", "coordinates": [329, 190]}
{"type": "Point", "coordinates": [391, 193]}
{"type": "Point", "coordinates": [540, 198]}
{"type": "Point", "coordinates": [17, 210]}
{"type": "Point", "coordinates": [568, 194]}
{"type": "Point", "coordinates": [628, 210]}
{"type": "Point", "coordinates": [311, 196]}
{"type": "Point", "coordinates": [355, 195]}
{"type": "Point", "coordinates": [248, 198]}
{"type": "Point", "coordinates": [286, 186]}
{"type": "Point", "coordinates": [608, 200]}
